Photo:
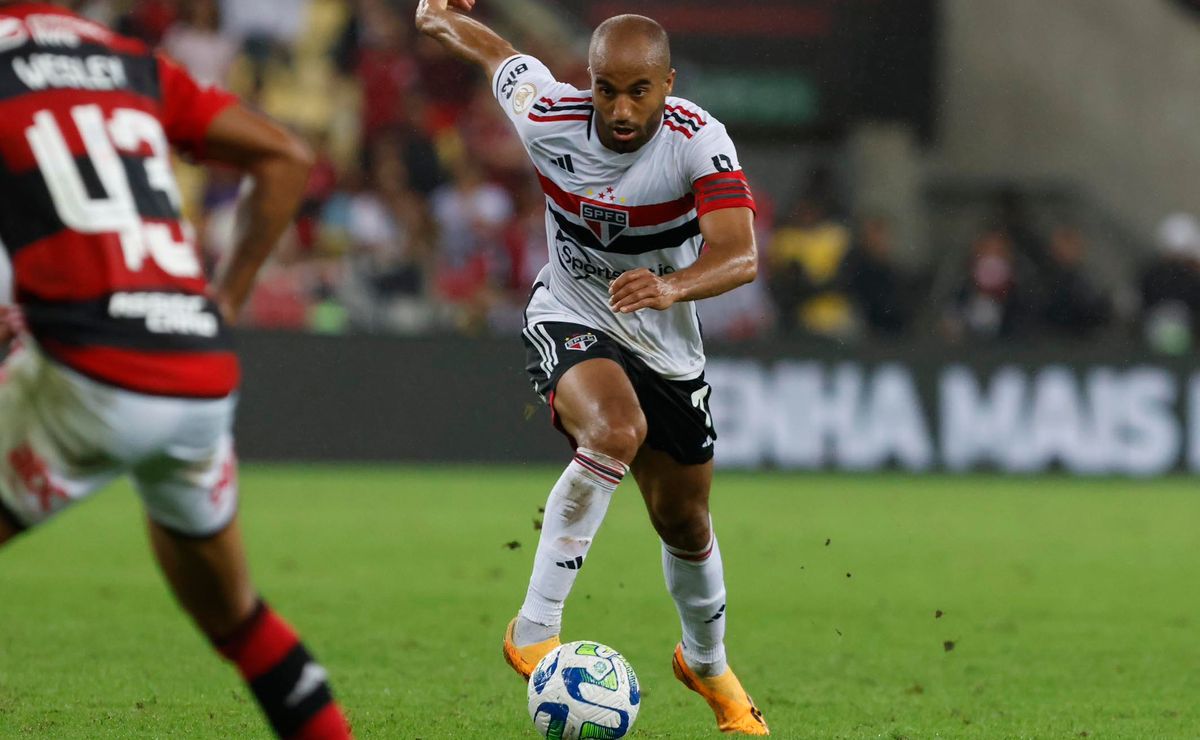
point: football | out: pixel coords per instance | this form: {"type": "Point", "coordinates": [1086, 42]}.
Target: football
{"type": "Point", "coordinates": [583, 689]}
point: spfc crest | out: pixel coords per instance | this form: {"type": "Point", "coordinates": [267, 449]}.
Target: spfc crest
{"type": "Point", "coordinates": [606, 223]}
{"type": "Point", "coordinates": [580, 342]}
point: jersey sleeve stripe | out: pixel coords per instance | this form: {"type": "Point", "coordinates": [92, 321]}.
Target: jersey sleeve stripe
{"type": "Point", "coordinates": [560, 101]}
{"type": "Point", "coordinates": [683, 121]}
{"type": "Point", "coordinates": [677, 128]}
{"type": "Point", "coordinates": [688, 113]}
{"type": "Point", "coordinates": [723, 190]}
{"type": "Point", "coordinates": [558, 108]}
{"type": "Point", "coordinates": [726, 190]}
{"type": "Point", "coordinates": [557, 118]}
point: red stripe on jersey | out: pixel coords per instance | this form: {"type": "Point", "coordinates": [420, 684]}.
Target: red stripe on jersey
{"type": "Point", "coordinates": [684, 111]}
{"type": "Point", "coordinates": [553, 118]}
{"type": "Point", "coordinates": [18, 113]}
{"type": "Point", "coordinates": [552, 103]}
{"type": "Point", "coordinates": [73, 267]}
{"type": "Point", "coordinates": [723, 190]}
{"type": "Point", "coordinates": [648, 215]}
{"type": "Point", "coordinates": [677, 128]}
{"type": "Point", "coordinates": [179, 374]}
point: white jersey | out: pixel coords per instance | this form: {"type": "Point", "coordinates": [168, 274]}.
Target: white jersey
{"type": "Point", "coordinates": [608, 212]}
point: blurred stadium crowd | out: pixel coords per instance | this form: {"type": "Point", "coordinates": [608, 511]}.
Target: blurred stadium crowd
{"type": "Point", "coordinates": [422, 216]}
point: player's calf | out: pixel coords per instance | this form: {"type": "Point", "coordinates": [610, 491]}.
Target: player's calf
{"type": "Point", "coordinates": [573, 514]}
{"type": "Point", "coordinates": [290, 685]}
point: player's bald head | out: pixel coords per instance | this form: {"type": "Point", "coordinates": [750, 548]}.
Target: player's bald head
{"type": "Point", "coordinates": [628, 40]}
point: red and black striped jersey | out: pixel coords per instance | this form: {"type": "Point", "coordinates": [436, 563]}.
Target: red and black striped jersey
{"type": "Point", "coordinates": [103, 265]}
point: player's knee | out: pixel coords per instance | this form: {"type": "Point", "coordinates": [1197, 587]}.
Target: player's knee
{"type": "Point", "coordinates": [618, 436]}
{"type": "Point", "coordinates": [683, 528]}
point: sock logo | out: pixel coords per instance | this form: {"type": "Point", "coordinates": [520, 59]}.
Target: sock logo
{"type": "Point", "coordinates": [311, 678]}
{"type": "Point", "coordinates": [576, 564]}
{"type": "Point", "coordinates": [720, 613]}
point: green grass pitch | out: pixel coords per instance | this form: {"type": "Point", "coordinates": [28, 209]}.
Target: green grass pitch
{"type": "Point", "coordinates": [1069, 608]}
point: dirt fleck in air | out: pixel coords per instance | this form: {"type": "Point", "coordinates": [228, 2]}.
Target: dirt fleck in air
{"type": "Point", "coordinates": [938, 614]}
{"type": "Point", "coordinates": [514, 545]}
{"type": "Point", "coordinates": [537, 524]}
{"type": "Point", "coordinates": [948, 645]}
{"type": "Point", "coordinates": [827, 541]}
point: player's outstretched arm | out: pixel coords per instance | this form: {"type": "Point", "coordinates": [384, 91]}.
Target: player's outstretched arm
{"type": "Point", "coordinates": [730, 260]}
{"type": "Point", "coordinates": [465, 37]}
{"type": "Point", "coordinates": [278, 163]}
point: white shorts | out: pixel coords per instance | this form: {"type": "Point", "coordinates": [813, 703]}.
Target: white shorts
{"type": "Point", "coordinates": [64, 436]}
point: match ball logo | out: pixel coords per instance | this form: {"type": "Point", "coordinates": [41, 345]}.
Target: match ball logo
{"type": "Point", "coordinates": [580, 342]}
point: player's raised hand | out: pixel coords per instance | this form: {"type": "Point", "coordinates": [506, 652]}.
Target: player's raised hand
{"type": "Point", "coordinates": [638, 289]}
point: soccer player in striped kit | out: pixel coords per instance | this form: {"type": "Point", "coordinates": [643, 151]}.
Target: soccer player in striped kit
{"type": "Point", "coordinates": [647, 211]}
{"type": "Point", "coordinates": [127, 366]}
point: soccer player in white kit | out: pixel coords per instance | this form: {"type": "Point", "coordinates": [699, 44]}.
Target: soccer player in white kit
{"type": "Point", "coordinates": [127, 366]}
{"type": "Point", "coordinates": [647, 211]}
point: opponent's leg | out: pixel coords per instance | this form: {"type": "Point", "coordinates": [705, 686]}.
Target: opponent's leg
{"type": "Point", "coordinates": [596, 405]}
{"type": "Point", "coordinates": [676, 498]}
{"type": "Point", "coordinates": [210, 579]}
{"type": "Point", "coordinates": [190, 492]}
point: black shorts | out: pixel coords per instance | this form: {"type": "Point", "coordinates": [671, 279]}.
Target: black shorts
{"type": "Point", "coordinates": [677, 418]}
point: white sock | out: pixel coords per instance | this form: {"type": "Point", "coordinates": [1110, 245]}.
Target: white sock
{"type": "Point", "coordinates": [574, 511]}
{"type": "Point", "coordinates": [696, 581]}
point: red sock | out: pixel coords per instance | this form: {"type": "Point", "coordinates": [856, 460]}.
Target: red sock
{"type": "Point", "coordinates": [291, 687]}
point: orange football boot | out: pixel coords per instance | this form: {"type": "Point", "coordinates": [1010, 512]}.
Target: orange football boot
{"type": "Point", "coordinates": [524, 659]}
{"type": "Point", "coordinates": [735, 710]}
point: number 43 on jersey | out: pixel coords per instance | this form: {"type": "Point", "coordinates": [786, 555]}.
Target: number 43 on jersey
{"type": "Point", "coordinates": [126, 131]}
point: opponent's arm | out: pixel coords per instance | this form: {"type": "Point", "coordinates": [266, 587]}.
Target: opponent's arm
{"type": "Point", "coordinates": [730, 260]}
{"type": "Point", "coordinates": [278, 163]}
{"type": "Point", "coordinates": [464, 37]}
